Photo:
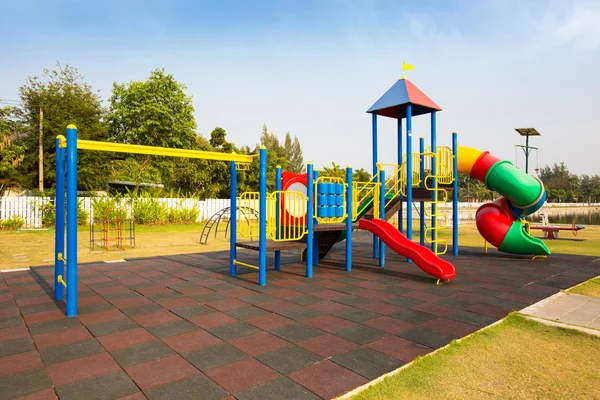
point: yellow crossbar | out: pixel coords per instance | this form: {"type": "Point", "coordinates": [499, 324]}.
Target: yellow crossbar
{"type": "Point", "coordinates": [161, 151]}
{"type": "Point", "coordinates": [243, 264]}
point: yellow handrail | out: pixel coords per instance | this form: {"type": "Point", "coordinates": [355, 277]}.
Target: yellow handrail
{"type": "Point", "coordinates": [368, 191]}
{"type": "Point", "coordinates": [292, 209]}
{"type": "Point", "coordinates": [247, 225]}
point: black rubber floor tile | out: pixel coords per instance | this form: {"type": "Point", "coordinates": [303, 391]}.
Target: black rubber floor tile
{"type": "Point", "coordinates": [366, 362]}
{"type": "Point", "coordinates": [70, 351]}
{"type": "Point", "coordinates": [356, 315]}
{"type": "Point", "coordinates": [109, 386]}
{"type": "Point", "coordinates": [172, 328]}
{"type": "Point", "coordinates": [16, 346]}
{"type": "Point", "coordinates": [142, 310]}
{"type": "Point", "coordinates": [296, 332]}
{"type": "Point", "coordinates": [53, 325]}
{"type": "Point", "coordinates": [11, 322]}
{"type": "Point", "coordinates": [301, 313]}
{"type": "Point", "coordinates": [194, 311]}
{"type": "Point", "coordinates": [414, 316]}
{"type": "Point", "coordinates": [23, 383]}
{"type": "Point", "coordinates": [246, 312]}
{"type": "Point", "coordinates": [472, 318]}
{"type": "Point", "coordinates": [361, 334]}
{"type": "Point", "coordinates": [141, 353]}
{"type": "Point", "coordinates": [289, 359]}
{"type": "Point", "coordinates": [234, 330]}
{"type": "Point", "coordinates": [427, 337]}
{"type": "Point", "coordinates": [280, 388]}
{"type": "Point", "coordinates": [191, 388]}
{"type": "Point", "coordinates": [111, 327]}
{"type": "Point", "coordinates": [214, 356]}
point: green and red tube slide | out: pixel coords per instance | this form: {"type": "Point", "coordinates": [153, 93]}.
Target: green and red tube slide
{"type": "Point", "coordinates": [499, 222]}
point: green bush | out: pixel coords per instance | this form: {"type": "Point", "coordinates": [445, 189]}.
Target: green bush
{"type": "Point", "coordinates": [12, 223]}
{"type": "Point", "coordinates": [149, 212]}
{"type": "Point", "coordinates": [108, 206]}
{"type": "Point", "coordinates": [49, 214]}
{"type": "Point", "coordinates": [183, 215]}
{"type": "Point", "coordinates": [82, 215]}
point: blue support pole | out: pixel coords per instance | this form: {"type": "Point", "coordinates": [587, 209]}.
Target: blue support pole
{"type": "Point", "coordinates": [277, 215]}
{"type": "Point", "coordinates": [455, 195]}
{"type": "Point", "coordinates": [374, 129]}
{"type": "Point", "coordinates": [409, 168]}
{"type": "Point", "coordinates": [309, 220]}
{"type": "Point", "coordinates": [382, 215]}
{"type": "Point", "coordinates": [349, 219]}
{"type": "Point", "coordinates": [422, 184]}
{"type": "Point", "coordinates": [399, 171]}
{"type": "Point", "coordinates": [71, 221]}
{"type": "Point", "coordinates": [262, 220]}
{"type": "Point", "coordinates": [232, 219]}
{"type": "Point", "coordinates": [434, 181]}
{"type": "Point", "coordinates": [59, 231]}
{"type": "Point", "coordinates": [315, 237]}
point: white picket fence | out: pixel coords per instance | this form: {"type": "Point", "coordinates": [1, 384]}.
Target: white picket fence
{"type": "Point", "coordinates": [30, 208]}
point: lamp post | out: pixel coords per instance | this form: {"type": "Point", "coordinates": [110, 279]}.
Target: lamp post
{"type": "Point", "coordinates": [527, 149]}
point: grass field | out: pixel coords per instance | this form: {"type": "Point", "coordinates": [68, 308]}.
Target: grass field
{"type": "Point", "coordinates": [29, 248]}
{"type": "Point", "coordinates": [516, 359]}
{"type": "Point", "coordinates": [590, 288]}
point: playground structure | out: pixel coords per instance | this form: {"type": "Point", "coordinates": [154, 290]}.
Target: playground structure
{"type": "Point", "coordinates": [312, 212]}
{"type": "Point", "coordinates": [113, 221]}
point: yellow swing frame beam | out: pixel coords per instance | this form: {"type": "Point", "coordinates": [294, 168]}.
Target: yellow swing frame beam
{"type": "Point", "coordinates": [161, 151]}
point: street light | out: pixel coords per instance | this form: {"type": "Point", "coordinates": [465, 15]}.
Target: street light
{"type": "Point", "coordinates": [527, 149]}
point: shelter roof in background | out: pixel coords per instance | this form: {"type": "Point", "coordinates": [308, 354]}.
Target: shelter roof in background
{"type": "Point", "coordinates": [392, 103]}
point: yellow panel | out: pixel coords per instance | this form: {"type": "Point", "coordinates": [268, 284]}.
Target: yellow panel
{"type": "Point", "coordinates": [466, 159]}
{"type": "Point", "coordinates": [161, 151]}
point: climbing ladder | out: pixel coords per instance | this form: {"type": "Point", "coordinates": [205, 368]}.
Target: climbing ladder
{"type": "Point", "coordinates": [444, 160]}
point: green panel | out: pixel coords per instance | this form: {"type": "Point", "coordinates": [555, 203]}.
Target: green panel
{"type": "Point", "coordinates": [518, 187]}
{"type": "Point", "coordinates": [518, 241]}
{"type": "Point", "coordinates": [362, 210]}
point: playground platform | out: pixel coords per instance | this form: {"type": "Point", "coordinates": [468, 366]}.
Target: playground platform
{"type": "Point", "coordinates": [180, 327]}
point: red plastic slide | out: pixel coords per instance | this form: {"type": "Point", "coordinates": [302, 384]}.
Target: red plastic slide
{"type": "Point", "coordinates": [422, 256]}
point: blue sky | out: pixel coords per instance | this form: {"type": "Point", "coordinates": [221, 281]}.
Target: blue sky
{"type": "Point", "coordinates": [314, 67]}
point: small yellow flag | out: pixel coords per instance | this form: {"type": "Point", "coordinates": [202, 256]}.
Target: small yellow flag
{"type": "Point", "coordinates": [407, 66]}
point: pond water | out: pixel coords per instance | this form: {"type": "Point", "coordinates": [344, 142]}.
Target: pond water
{"type": "Point", "coordinates": [580, 217]}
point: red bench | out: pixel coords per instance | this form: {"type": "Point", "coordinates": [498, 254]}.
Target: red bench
{"type": "Point", "coordinates": [551, 231]}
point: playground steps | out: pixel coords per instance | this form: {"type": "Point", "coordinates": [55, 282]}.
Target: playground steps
{"type": "Point", "coordinates": [390, 210]}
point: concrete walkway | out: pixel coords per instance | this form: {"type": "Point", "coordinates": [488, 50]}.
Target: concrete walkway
{"type": "Point", "coordinates": [568, 309]}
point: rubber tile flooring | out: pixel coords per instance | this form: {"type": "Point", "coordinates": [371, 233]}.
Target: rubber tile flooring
{"type": "Point", "coordinates": [179, 327]}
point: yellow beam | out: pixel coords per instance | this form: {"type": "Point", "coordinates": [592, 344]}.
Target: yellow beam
{"type": "Point", "coordinates": [161, 151]}
{"type": "Point", "coordinates": [243, 264]}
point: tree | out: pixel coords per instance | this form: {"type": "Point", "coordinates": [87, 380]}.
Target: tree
{"type": "Point", "coordinates": [11, 154]}
{"type": "Point", "coordinates": [154, 112]}
{"type": "Point", "coordinates": [65, 99]}
{"type": "Point", "coordinates": [293, 154]}
{"type": "Point", "coordinates": [361, 175]}
{"type": "Point", "coordinates": [335, 171]}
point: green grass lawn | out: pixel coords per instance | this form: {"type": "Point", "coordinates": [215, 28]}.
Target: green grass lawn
{"type": "Point", "coordinates": [590, 288]}
{"type": "Point", "coordinates": [28, 248]}
{"type": "Point", "coordinates": [516, 359]}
